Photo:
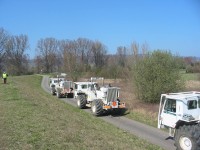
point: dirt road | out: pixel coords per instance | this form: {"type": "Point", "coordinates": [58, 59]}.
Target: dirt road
{"type": "Point", "coordinates": [153, 135]}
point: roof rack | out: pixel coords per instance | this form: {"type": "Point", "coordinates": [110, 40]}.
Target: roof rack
{"type": "Point", "coordinates": [184, 93]}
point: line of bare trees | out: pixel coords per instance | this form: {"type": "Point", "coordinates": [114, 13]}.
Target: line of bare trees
{"type": "Point", "coordinates": [12, 53]}
{"type": "Point", "coordinates": [71, 56]}
{"type": "Point", "coordinates": [85, 56]}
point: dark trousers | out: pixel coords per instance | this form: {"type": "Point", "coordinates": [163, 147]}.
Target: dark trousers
{"type": "Point", "coordinates": [4, 80]}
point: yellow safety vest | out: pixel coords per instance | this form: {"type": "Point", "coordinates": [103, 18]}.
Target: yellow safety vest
{"type": "Point", "coordinates": [4, 75]}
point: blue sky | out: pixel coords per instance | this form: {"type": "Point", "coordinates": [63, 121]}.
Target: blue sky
{"type": "Point", "coordinates": [163, 24]}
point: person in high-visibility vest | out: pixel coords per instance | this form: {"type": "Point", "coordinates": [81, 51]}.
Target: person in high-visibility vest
{"type": "Point", "coordinates": [4, 76]}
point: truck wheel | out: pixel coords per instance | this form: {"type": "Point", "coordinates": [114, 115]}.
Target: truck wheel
{"type": "Point", "coordinates": [188, 137]}
{"type": "Point", "coordinates": [81, 101]}
{"type": "Point", "coordinates": [58, 94]}
{"type": "Point", "coordinates": [52, 92]}
{"type": "Point", "coordinates": [97, 107]}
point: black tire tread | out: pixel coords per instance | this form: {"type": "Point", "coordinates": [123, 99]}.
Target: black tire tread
{"type": "Point", "coordinates": [82, 100]}
{"type": "Point", "coordinates": [192, 132]}
{"type": "Point", "coordinates": [99, 107]}
{"type": "Point", "coordinates": [58, 94]}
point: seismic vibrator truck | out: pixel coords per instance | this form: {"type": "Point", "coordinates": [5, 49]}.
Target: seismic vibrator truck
{"type": "Point", "coordinates": [100, 99]}
{"type": "Point", "coordinates": [180, 113]}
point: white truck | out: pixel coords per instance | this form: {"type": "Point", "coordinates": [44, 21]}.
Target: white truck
{"type": "Point", "coordinates": [180, 113]}
{"type": "Point", "coordinates": [100, 99]}
{"type": "Point", "coordinates": [53, 82]}
{"type": "Point", "coordinates": [64, 89]}
{"type": "Point", "coordinates": [61, 87]}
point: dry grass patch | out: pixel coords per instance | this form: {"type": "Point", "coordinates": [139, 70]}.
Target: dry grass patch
{"type": "Point", "coordinates": [193, 85]}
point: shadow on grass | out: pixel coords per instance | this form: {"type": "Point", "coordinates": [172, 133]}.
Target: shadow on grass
{"type": "Point", "coordinates": [5, 83]}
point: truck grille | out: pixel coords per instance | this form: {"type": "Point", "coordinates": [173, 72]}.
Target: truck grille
{"type": "Point", "coordinates": [68, 84]}
{"type": "Point", "coordinates": [112, 94]}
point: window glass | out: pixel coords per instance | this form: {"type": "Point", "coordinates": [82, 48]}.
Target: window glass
{"type": "Point", "coordinates": [91, 86]}
{"type": "Point", "coordinates": [199, 101]}
{"type": "Point", "coordinates": [170, 105]}
{"type": "Point", "coordinates": [76, 86]}
{"type": "Point", "coordinates": [84, 86]}
{"type": "Point", "coordinates": [192, 104]}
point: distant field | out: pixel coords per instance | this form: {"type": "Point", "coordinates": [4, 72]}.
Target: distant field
{"type": "Point", "coordinates": [190, 76]}
{"type": "Point", "coordinates": [33, 119]}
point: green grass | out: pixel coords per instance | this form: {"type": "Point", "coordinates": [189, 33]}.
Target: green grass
{"type": "Point", "coordinates": [143, 117]}
{"type": "Point", "coordinates": [33, 119]}
{"type": "Point", "coordinates": [189, 76]}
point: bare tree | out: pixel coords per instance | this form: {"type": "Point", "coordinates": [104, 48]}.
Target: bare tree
{"type": "Point", "coordinates": [135, 49]}
{"type": "Point", "coordinates": [16, 59]}
{"type": "Point", "coordinates": [99, 54]}
{"type": "Point", "coordinates": [84, 49]}
{"type": "Point", "coordinates": [70, 58]}
{"type": "Point", "coordinates": [3, 39]}
{"type": "Point", "coordinates": [77, 56]}
{"type": "Point", "coordinates": [38, 66]}
{"type": "Point", "coordinates": [145, 48]}
{"type": "Point", "coordinates": [48, 49]}
{"type": "Point", "coordinates": [122, 56]}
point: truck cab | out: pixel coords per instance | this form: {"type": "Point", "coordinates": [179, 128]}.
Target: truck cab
{"type": "Point", "coordinates": [180, 113]}
{"type": "Point", "coordinates": [54, 81]}
{"type": "Point", "coordinates": [177, 107]}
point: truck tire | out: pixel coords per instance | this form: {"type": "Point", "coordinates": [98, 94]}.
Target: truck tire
{"type": "Point", "coordinates": [52, 92]}
{"type": "Point", "coordinates": [58, 94]}
{"type": "Point", "coordinates": [187, 137]}
{"type": "Point", "coordinates": [70, 95]}
{"type": "Point", "coordinates": [81, 101]}
{"type": "Point", "coordinates": [97, 107]}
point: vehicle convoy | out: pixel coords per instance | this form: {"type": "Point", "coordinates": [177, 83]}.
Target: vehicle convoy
{"type": "Point", "coordinates": [180, 112]}
{"type": "Point", "coordinates": [61, 87]}
{"type": "Point", "coordinates": [54, 81]}
{"type": "Point", "coordinates": [100, 99]}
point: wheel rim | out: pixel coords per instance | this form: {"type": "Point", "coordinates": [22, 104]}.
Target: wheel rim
{"type": "Point", "coordinates": [185, 143]}
{"type": "Point", "coordinates": [94, 108]}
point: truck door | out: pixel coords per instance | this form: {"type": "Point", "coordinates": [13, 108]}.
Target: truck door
{"type": "Point", "coordinates": [168, 115]}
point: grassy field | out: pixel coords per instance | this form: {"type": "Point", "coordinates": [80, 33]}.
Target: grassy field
{"type": "Point", "coordinates": [33, 119]}
{"type": "Point", "coordinates": [189, 76]}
